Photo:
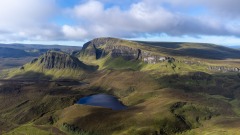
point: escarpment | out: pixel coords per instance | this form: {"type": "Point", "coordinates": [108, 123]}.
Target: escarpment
{"type": "Point", "coordinates": [59, 60]}
{"type": "Point", "coordinates": [185, 54]}
{"type": "Point", "coordinates": [128, 50]}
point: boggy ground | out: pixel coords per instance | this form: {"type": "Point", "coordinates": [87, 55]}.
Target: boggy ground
{"type": "Point", "coordinates": [26, 101]}
{"type": "Point", "coordinates": [173, 104]}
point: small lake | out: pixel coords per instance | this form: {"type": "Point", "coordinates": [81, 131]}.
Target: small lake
{"type": "Point", "coordinates": [103, 100]}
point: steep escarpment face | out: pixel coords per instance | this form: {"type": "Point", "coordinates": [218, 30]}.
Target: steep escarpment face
{"type": "Point", "coordinates": [102, 47]}
{"type": "Point", "coordinates": [58, 60]}
{"type": "Point", "coordinates": [128, 50]}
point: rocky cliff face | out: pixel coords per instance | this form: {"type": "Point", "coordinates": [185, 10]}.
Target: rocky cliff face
{"type": "Point", "coordinates": [58, 60]}
{"type": "Point", "coordinates": [130, 50]}
{"type": "Point", "coordinates": [101, 47]}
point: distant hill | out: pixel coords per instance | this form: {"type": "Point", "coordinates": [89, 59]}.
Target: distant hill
{"type": "Point", "coordinates": [167, 87]}
{"type": "Point", "coordinates": [165, 57]}
{"type": "Point", "coordinates": [24, 50]}
{"type": "Point", "coordinates": [198, 50]}
{"type": "Point", "coordinates": [52, 64]}
{"type": "Point", "coordinates": [13, 53]}
{"type": "Point", "coordinates": [113, 53]}
{"type": "Point", "coordinates": [36, 47]}
{"type": "Point", "coordinates": [103, 46]}
{"type": "Point", "coordinates": [58, 60]}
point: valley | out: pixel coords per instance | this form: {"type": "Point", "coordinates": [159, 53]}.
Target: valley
{"type": "Point", "coordinates": [167, 88]}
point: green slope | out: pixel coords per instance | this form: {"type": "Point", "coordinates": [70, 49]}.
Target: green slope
{"type": "Point", "coordinates": [177, 49]}
{"type": "Point", "coordinates": [112, 53]}
{"type": "Point", "coordinates": [177, 96]}
{"type": "Point", "coordinates": [52, 65]}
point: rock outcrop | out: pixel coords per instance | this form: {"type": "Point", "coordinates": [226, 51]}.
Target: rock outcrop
{"type": "Point", "coordinates": [223, 69]}
{"type": "Point", "coordinates": [128, 50]}
{"type": "Point", "coordinates": [58, 60]}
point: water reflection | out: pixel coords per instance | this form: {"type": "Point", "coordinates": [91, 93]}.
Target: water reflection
{"type": "Point", "coordinates": [102, 100]}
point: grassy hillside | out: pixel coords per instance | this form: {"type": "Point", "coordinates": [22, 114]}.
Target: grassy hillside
{"type": "Point", "coordinates": [51, 65]}
{"type": "Point", "coordinates": [16, 55]}
{"type": "Point", "coordinates": [178, 95]}
{"type": "Point", "coordinates": [188, 57]}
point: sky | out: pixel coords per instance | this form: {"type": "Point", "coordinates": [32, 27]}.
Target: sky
{"type": "Point", "coordinates": [73, 22]}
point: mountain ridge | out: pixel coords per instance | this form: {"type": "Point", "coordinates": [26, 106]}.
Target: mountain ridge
{"type": "Point", "coordinates": [153, 55]}
{"type": "Point", "coordinates": [101, 46]}
{"type": "Point", "coordinates": [113, 53]}
{"type": "Point", "coordinates": [53, 64]}
{"type": "Point", "coordinates": [59, 60]}
{"type": "Point", "coordinates": [180, 95]}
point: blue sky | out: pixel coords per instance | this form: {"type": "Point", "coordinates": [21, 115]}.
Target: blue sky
{"type": "Point", "coordinates": [73, 22]}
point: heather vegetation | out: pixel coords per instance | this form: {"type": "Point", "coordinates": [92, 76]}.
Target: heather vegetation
{"type": "Point", "coordinates": [168, 88]}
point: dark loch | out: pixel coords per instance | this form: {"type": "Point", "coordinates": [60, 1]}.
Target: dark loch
{"type": "Point", "coordinates": [102, 100]}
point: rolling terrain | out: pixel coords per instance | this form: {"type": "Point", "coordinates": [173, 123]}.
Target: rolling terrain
{"type": "Point", "coordinates": [168, 88]}
{"type": "Point", "coordinates": [16, 55]}
{"type": "Point", "coordinates": [40, 48]}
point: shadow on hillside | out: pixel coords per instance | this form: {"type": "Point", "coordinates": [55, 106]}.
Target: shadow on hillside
{"type": "Point", "coordinates": [107, 121]}
{"type": "Point", "coordinates": [90, 68]}
{"type": "Point", "coordinates": [171, 45]}
{"type": "Point", "coordinates": [84, 66]}
{"type": "Point", "coordinates": [32, 76]}
{"type": "Point", "coordinates": [226, 85]}
{"type": "Point", "coordinates": [107, 118]}
{"type": "Point", "coordinates": [65, 92]}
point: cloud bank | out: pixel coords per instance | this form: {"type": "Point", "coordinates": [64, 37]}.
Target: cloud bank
{"type": "Point", "coordinates": [46, 20]}
{"type": "Point", "coordinates": [27, 20]}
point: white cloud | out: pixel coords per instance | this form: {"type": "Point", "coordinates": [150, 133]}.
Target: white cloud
{"type": "Point", "coordinates": [27, 19]}
{"type": "Point", "coordinates": [24, 12]}
{"type": "Point", "coordinates": [36, 19]}
{"type": "Point", "coordinates": [91, 9]}
{"type": "Point", "coordinates": [221, 8]}
{"type": "Point", "coordinates": [74, 32]}
{"type": "Point", "coordinates": [224, 8]}
{"type": "Point", "coordinates": [145, 17]}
